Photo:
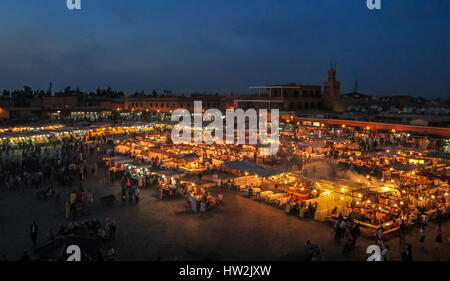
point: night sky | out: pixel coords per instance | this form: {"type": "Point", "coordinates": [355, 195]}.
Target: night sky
{"type": "Point", "coordinates": [226, 45]}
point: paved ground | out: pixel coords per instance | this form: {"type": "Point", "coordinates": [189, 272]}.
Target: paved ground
{"type": "Point", "coordinates": [241, 229]}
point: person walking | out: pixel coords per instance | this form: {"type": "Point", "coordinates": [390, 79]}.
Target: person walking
{"type": "Point", "coordinates": [342, 229]}
{"type": "Point", "coordinates": [111, 229]}
{"type": "Point", "coordinates": [130, 196]}
{"type": "Point", "coordinates": [81, 171]}
{"type": "Point", "coordinates": [67, 210]}
{"type": "Point", "coordinates": [194, 204]}
{"type": "Point", "coordinates": [409, 253]}
{"type": "Point", "coordinates": [136, 194]}
{"type": "Point", "coordinates": [124, 197]}
{"type": "Point", "coordinates": [422, 236]}
{"type": "Point", "coordinates": [355, 233]}
{"type": "Point", "coordinates": [34, 233]}
{"type": "Point", "coordinates": [89, 199]}
{"type": "Point", "coordinates": [100, 255]}
{"type": "Point", "coordinates": [25, 257]}
{"type": "Point", "coordinates": [438, 239]}
{"type": "Point", "coordinates": [402, 232]}
{"type": "Point", "coordinates": [111, 254]}
{"type": "Point", "coordinates": [385, 254]}
{"type": "Point", "coordinates": [203, 207]}
{"type": "Point", "coordinates": [337, 233]}
{"type": "Point", "coordinates": [380, 236]}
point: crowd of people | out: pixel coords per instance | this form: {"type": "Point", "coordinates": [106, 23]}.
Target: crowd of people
{"type": "Point", "coordinates": [199, 200]}
{"type": "Point", "coordinates": [47, 166]}
{"type": "Point", "coordinates": [53, 169]}
{"type": "Point", "coordinates": [130, 191]}
{"type": "Point", "coordinates": [346, 229]}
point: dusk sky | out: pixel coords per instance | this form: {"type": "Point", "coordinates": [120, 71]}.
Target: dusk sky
{"type": "Point", "coordinates": [226, 45]}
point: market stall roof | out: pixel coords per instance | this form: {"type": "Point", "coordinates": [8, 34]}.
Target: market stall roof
{"type": "Point", "coordinates": [188, 157]}
{"type": "Point", "coordinates": [337, 140]}
{"type": "Point", "coordinates": [159, 151]}
{"type": "Point", "coordinates": [169, 173]}
{"type": "Point", "coordinates": [385, 189]}
{"type": "Point", "coordinates": [316, 144]}
{"type": "Point", "coordinates": [25, 134]}
{"type": "Point", "coordinates": [252, 168]}
{"type": "Point", "coordinates": [121, 159]}
{"type": "Point", "coordinates": [118, 138]}
{"type": "Point", "coordinates": [395, 148]}
{"type": "Point", "coordinates": [401, 167]}
{"type": "Point", "coordinates": [194, 179]}
{"type": "Point", "coordinates": [84, 123]}
{"type": "Point", "coordinates": [65, 129]}
{"type": "Point", "coordinates": [384, 153]}
{"type": "Point", "coordinates": [136, 123]}
{"type": "Point", "coordinates": [100, 125]}
{"type": "Point", "coordinates": [138, 164]}
{"type": "Point", "coordinates": [438, 155]}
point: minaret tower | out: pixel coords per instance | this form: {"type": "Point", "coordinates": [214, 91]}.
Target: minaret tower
{"type": "Point", "coordinates": [331, 89]}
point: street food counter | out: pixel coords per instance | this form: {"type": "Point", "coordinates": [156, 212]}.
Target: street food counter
{"type": "Point", "coordinates": [116, 165]}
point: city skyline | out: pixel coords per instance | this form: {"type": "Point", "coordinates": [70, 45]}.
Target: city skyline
{"type": "Point", "coordinates": [167, 45]}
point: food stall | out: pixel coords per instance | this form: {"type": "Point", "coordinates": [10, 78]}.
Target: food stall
{"type": "Point", "coordinates": [116, 165]}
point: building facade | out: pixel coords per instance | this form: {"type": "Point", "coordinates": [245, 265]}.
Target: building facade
{"type": "Point", "coordinates": [294, 96]}
{"type": "Point", "coordinates": [167, 104]}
